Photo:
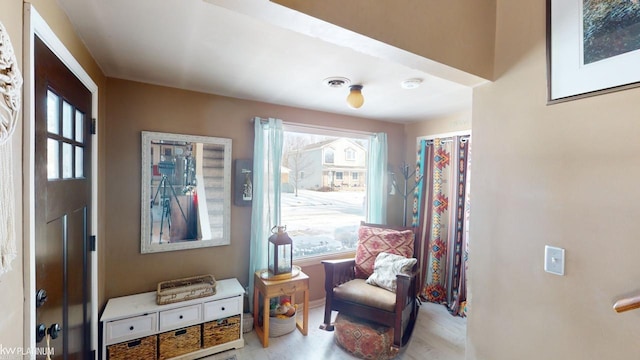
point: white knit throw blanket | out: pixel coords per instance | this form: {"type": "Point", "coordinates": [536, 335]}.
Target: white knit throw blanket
{"type": "Point", "coordinates": [10, 99]}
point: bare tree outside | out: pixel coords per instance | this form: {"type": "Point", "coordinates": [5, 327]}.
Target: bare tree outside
{"type": "Point", "coordinates": [294, 159]}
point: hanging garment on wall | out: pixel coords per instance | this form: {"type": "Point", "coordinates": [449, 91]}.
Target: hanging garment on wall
{"type": "Point", "coordinates": [10, 99]}
{"type": "Point", "coordinates": [441, 211]}
{"type": "Point", "coordinates": [10, 87]}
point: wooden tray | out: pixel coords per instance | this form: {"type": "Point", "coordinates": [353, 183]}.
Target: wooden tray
{"type": "Point", "coordinates": [185, 289]}
{"type": "Point", "coordinates": [267, 275]}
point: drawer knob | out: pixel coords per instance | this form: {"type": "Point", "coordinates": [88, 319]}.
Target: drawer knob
{"type": "Point", "coordinates": [223, 308]}
{"type": "Point", "coordinates": [181, 317]}
{"type": "Point", "coordinates": [131, 328]}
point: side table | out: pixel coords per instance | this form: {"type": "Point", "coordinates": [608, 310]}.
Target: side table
{"type": "Point", "coordinates": [273, 288]}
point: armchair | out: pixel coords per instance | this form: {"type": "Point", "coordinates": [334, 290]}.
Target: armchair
{"type": "Point", "coordinates": [348, 292]}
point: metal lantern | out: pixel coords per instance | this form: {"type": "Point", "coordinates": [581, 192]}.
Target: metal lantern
{"type": "Point", "coordinates": [280, 251]}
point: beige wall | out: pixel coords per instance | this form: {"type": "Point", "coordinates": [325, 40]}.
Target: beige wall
{"type": "Point", "coordinates": [11, 284]}
{"type": "Point", "coordinates": [456, 33]}
{"type": "Point", "coordinates": [442, 125]}
{"type": "Point", "coordinates": [564, 175]}
{"type": "Point", "coordinates": [134, 107]}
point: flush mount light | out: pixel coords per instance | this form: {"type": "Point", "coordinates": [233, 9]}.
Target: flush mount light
{"type": "Point", "coordinates": [411, 83]}
{"type": "Point", "coordinates": [336, 82]}
{"type": "Point", "coordinates": [355, 98]}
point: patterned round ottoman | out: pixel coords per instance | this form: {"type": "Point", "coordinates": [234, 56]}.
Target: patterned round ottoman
{"type": "Point", "coordinates": [364, 339]}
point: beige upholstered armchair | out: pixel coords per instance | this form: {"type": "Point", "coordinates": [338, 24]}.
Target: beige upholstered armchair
{"type": "Point", "coordinates": [351, 290]}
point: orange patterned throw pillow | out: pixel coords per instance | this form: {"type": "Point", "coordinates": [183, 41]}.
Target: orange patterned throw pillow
{"type": "Point", "coordinates": [372, 241]}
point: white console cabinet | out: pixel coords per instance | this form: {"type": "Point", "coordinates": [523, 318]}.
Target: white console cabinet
{"type": "Point", "coordinates": [130, 318]}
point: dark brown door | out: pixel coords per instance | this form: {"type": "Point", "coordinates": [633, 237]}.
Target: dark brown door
{"type": "Point", "coordinates": [62, 206]}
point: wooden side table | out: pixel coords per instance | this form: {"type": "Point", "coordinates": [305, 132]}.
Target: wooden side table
{"type": "Point", "coordinates": [273, 288]}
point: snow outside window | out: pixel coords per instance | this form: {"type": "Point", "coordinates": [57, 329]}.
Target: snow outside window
{"type": "Point", "coordinates": [321, 210]}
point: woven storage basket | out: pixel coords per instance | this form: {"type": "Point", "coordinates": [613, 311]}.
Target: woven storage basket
{"type": "Point", "coordinates": [279, 327]}
{"type": "Point", "coordinates": [247, 322]}
{"type": "Point", "coordinates": [185, 289]}
{"type": "Point", "coordinates": [221, 331]}
{"type": "Point", "coordinates": [178, 342]}
{"type": "Point", "coordinates": [144, 348]}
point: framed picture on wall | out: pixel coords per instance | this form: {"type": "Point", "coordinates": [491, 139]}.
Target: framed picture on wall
{"type": "Point", "coordinates": [243, 182]}
{"type": "Point", "coordinates": [593, 47]}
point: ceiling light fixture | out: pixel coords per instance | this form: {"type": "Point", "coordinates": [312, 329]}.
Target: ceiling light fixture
{"type": "Point", "coordinates": [411, 83]}
{"type": "Point", "coordinates": [355, 98]}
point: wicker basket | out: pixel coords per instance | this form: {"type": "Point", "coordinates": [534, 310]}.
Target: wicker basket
{"type": "Point", "coordinates": [221, 331]}
{"type": "Point", "coordinates": [144, 348]}
{"type": "Point", "coordinates": [178, 342]}
{"type": "Point", "coordinates": [185, 289]}
{"type": "Point", "coordinates": [279, 327]}
{"type": "Point", "coordinates": [247, 322]}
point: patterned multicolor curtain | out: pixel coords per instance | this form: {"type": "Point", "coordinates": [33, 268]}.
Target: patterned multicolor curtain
{"type": "Point", "coordinates": [441, 212]}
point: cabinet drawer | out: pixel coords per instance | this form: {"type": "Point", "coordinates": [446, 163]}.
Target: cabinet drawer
{"type": "Point", "coordinates": [131, 328]}
{"type": "Point", "coordinates": [180, 317]}
{"type": "Point", "coordinates": [145, 348]}
{"type": "Point", "coordinates": [179, 342]}
{"type": "Point", "coordinates": [219, 309]}
{"type": "Point", "coordinates": [287, 288]}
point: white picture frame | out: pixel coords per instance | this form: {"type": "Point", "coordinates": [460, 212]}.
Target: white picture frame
{"type": "Point", "coordinates": [577, 65]}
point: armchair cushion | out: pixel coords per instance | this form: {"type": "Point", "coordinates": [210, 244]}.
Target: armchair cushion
{"type": "Point", "coordinates": [374, 240]}
{"type": "Point", "coordinates": [358, 291]}
{"type": "Point", "coordinates": [387, 266]}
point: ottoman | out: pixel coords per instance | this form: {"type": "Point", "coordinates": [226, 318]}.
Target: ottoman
{"type": "Point", "coordinates": [364, 339]}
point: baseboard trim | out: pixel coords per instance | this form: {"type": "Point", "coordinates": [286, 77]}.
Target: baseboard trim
{"type": "Point", "coordinates": [316, 303]}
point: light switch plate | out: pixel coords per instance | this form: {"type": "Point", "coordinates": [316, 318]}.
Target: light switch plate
{"type": "Point", "coordinates": [554, 260]}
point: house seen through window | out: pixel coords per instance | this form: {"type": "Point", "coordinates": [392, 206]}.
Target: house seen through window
{"type": "Point", "coordinates": [323, 191]}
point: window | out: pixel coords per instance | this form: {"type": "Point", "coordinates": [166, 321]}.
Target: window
{"type": "Point", "coordinates": [321, 213]}
{"type": "Point", "coordinates": [65, 139]}
{"type": "Point", "coordinates": [354, 176]}
{"type": "Point", "coordinates": [350, 154]}
{"type": "Point", "coordinates": [328, 156]}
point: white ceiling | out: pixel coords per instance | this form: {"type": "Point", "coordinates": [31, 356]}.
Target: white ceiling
{"type": "Point", "coordinates": [257, 50]}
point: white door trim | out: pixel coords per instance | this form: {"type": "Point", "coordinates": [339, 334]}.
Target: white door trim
{"type": "Point", "coordinates": [34, 24]}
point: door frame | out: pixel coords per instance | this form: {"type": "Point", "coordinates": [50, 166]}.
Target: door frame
{"type": "Point", "coordinates": [34, 25]}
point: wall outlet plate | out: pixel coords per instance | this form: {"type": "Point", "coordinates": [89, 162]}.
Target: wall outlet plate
{"type": "Point", "coordinates": [554, 260]}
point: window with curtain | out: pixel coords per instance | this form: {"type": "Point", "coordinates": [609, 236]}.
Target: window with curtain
{"type": "Point", "coordinates": [294, 186]}
{"type": "Point", "coordinates": [323, 209]}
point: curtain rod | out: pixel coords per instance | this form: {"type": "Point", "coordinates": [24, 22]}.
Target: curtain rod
{"type": "Point", "coordinates": [336, 131]}
{"type": "Point", "coordinates": [463, 138]}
